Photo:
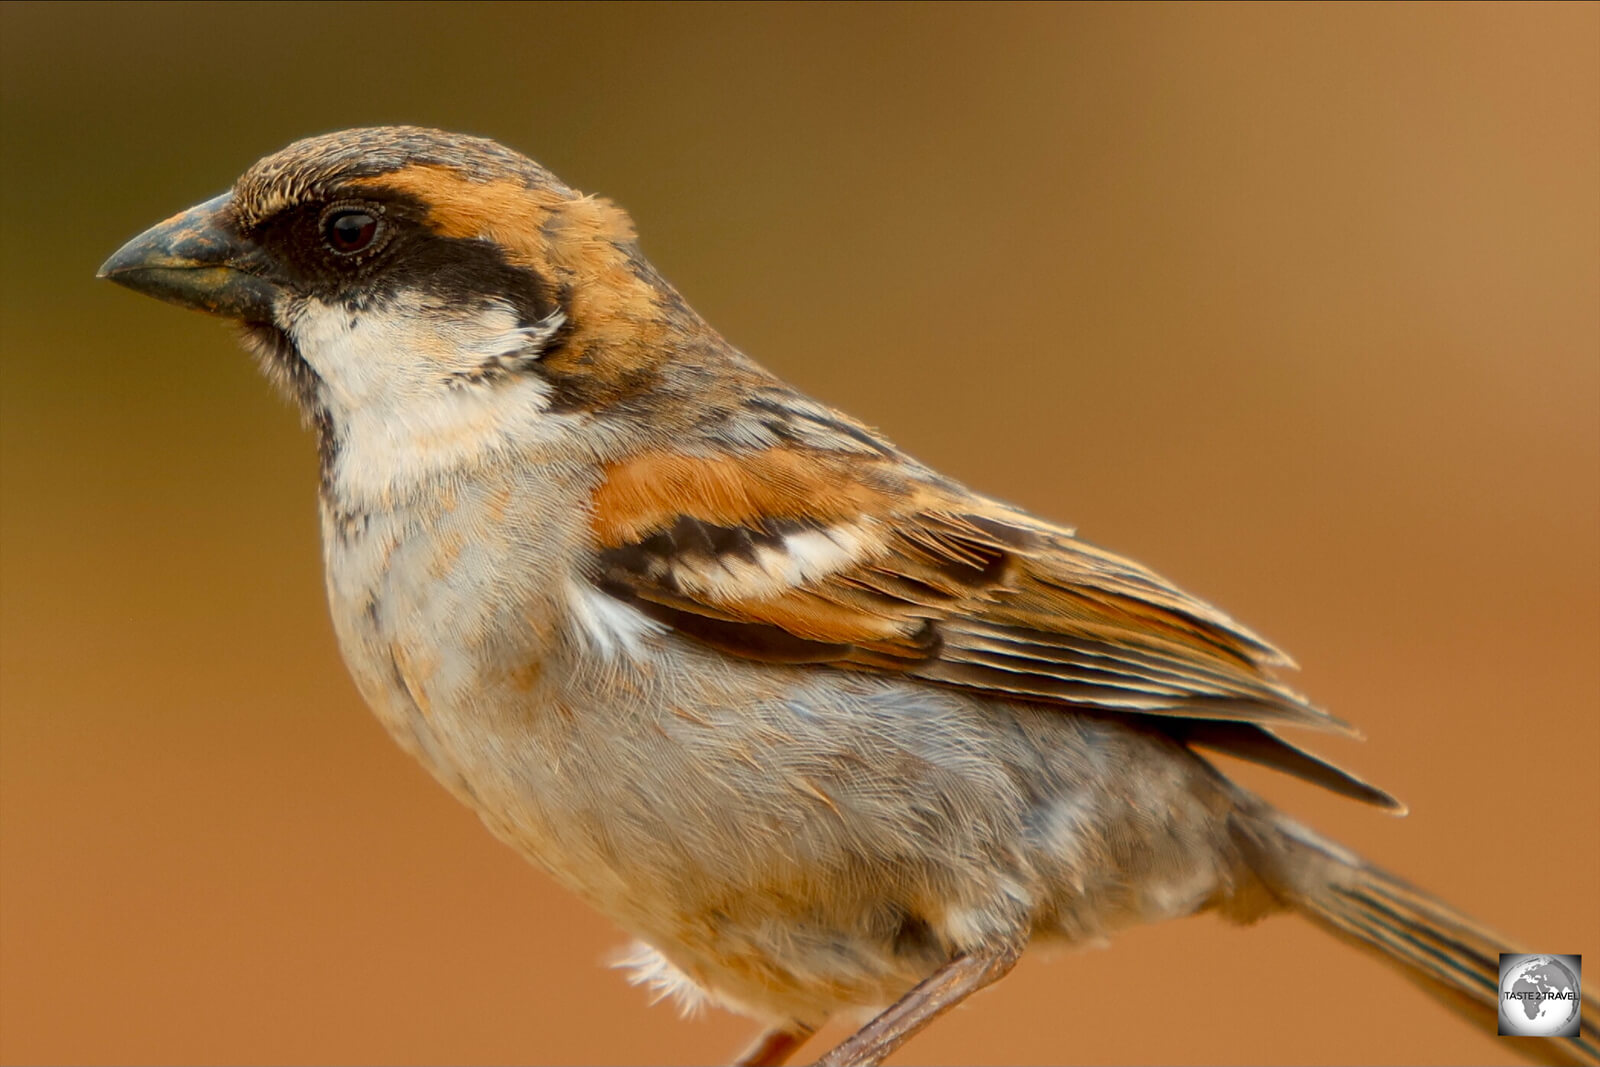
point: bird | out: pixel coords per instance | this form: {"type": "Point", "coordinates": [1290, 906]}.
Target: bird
{"type": "Point", "coordinates": [829, 733]}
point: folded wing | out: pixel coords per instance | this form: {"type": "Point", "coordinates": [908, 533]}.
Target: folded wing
{"type": "Point", "coordinates": [871, 563]}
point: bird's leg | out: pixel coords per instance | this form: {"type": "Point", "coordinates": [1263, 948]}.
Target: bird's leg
{"type": "Point", "coordinates": [773, 1048]}
{"type": "Point", "coordinates": [931, 998]}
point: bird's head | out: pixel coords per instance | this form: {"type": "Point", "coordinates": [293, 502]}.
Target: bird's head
{"type": "Point", "coordinates": [415, 282]}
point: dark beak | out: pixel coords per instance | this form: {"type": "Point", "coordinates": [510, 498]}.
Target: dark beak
{"type": "Point", "coordinates": [198, 259]}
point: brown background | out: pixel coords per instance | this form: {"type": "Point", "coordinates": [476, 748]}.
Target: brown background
{"type": "Point", "coordinates": [1297, 304]}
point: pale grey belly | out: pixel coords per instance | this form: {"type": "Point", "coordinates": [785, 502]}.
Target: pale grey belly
{"type": "Point", "coordinates": [795, 840]}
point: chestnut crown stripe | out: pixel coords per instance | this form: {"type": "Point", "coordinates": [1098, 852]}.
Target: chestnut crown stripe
{"type": "Point", "coordinates": [551, 229]}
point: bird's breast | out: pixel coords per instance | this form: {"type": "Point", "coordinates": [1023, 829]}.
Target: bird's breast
{"type": "Point", "coordinates": [445, 603]}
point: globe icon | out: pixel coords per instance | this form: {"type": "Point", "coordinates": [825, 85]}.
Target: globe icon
{"type": "Point", "coordinates": [1539, 998]}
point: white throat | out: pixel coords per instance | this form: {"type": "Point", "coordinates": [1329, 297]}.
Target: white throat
{"type": "Point", "coordinates": [419, 390]}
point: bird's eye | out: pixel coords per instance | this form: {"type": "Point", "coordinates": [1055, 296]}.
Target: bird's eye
{"type": "Point", "coordinates": [350, 230]}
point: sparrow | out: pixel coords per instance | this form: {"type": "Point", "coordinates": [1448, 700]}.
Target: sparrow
{"type": "Point", "coordinates": [828, 732]}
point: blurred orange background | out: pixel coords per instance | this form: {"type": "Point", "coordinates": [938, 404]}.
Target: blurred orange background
{"type": "Point", "coordinates": [1299, 305]}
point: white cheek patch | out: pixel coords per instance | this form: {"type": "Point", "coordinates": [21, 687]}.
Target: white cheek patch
{"type": "Point", "coordinates": [406, 390]}
{"type": "Point", "coordinates": [410, 347]}
{"type": "Point", "coordinates": [513, 345]}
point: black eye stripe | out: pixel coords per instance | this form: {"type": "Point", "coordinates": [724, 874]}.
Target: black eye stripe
{"type": "Point", "coordinates": [401, 254]}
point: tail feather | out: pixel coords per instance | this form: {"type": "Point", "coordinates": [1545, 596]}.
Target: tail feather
{"type": "Point", "coordinates": [1453, 958]}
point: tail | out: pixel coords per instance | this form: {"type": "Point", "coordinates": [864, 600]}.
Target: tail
{"type": "Point", "coordinates": [1451, 957]}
